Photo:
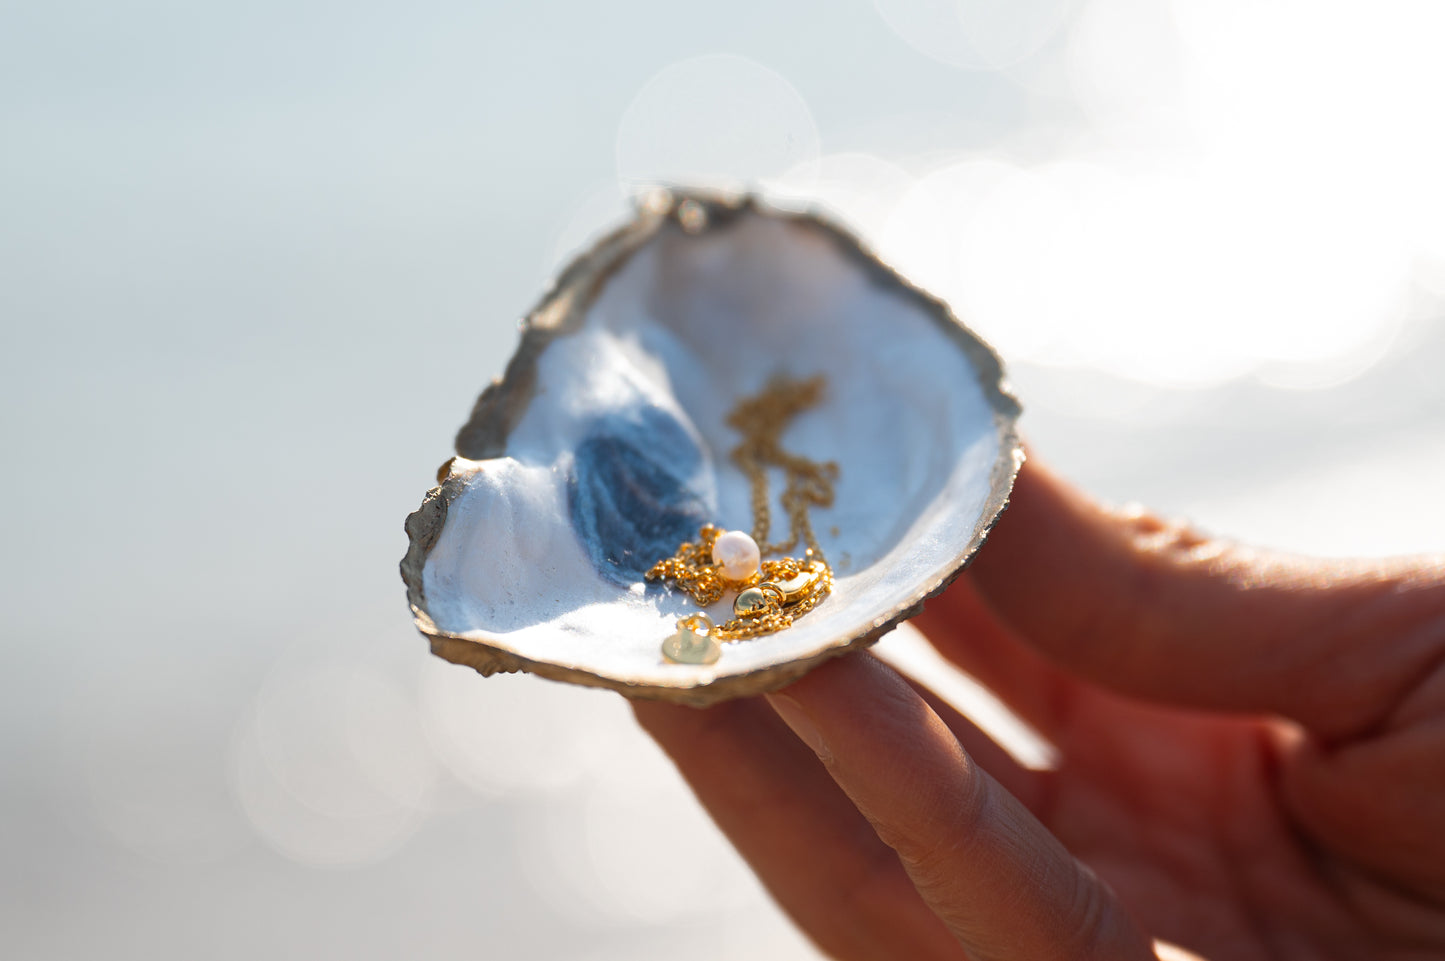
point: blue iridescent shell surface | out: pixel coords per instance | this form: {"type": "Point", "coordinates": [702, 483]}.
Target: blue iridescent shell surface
{"type": "Point", "coordinates": [629, 495]}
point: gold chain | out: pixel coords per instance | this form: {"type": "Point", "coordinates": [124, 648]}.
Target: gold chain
{"type": "Point", "coordinates": [761, 420]}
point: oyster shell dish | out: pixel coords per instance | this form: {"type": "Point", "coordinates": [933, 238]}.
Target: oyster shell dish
{"type": "Point", "coordinates": [606, 445]}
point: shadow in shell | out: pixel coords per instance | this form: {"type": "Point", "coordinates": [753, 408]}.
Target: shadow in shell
{"type": "Point", "coordinates": [631, 493]}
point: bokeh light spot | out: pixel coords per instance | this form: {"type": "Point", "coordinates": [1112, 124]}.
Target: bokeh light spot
{"type": "Point", "coordinates": [975, 34]}
{"type": "Point", "coordinates": [719, 120]}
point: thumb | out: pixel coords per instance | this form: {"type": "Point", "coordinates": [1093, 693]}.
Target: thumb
{"type": "Point", "coordinates": [1161, 611]}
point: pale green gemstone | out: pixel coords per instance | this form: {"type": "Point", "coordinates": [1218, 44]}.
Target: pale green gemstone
{"type": "Point", "coordinates": [689, 647]}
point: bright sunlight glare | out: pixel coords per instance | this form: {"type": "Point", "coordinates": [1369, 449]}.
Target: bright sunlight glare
{"type": "Point", "coordinates": [1257, 199]}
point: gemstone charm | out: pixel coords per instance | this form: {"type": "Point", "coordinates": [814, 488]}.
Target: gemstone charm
{"type": "Point", "coordinates": [693, 643]}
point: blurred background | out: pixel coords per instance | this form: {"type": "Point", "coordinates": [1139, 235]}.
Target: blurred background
{"type": "Point", "coordinates": [256, 261]}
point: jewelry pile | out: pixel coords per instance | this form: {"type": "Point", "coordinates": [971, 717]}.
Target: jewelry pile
{"type": "Point", "coordinates": [770, 593]}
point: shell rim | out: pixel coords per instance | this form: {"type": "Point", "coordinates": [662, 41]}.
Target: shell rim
{"type": "Point", "coordinates": [560, 311]}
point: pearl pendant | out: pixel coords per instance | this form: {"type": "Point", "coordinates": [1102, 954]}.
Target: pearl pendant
{"type": "Point", "coordinates": [738, 555]}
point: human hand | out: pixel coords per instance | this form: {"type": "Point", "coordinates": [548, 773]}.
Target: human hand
{"type": "Point", "coordinates": [1251, 758]}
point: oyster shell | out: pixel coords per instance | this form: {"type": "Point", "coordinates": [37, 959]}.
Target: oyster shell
{"type": "Point", "coordinates": [605, 445]}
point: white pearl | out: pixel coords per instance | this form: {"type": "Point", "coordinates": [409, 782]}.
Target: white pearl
{"type": "Point", "coordinates": [738, 554]}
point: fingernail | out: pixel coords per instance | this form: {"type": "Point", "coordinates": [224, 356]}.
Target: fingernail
{"type": "Point", "coordinates": [796, 718]}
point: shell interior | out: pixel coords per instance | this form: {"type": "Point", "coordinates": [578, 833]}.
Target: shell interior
{"type": "Point", "coordinates": [606, 445]}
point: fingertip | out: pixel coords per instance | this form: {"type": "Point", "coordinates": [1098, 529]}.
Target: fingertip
{"type": "Point", "coordinates": [867, 724]}
{"type": "Point", "coordinates": [877, 735]}
{"type": "Point", "coordinates": [801, 723]}
{"type": "Point", "coordinates": [835, 693]}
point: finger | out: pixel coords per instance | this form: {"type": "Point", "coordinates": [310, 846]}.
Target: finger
{"type": "Point", "coordinates": [1003, 885]}
{"type": "Point", "coordinates": [806, 841]}
{"type": "Point", "coordinates": [962, 628]}
{"type": "Point", "coordinates": [1340, 796]}
{"type": "Point", "coordinates": [1029, 786]}
{"type": "Point", "coordinates": [1159, 610]}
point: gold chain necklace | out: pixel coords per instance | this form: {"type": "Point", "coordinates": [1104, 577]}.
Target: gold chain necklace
{"type": "Point", "coordinates": [771, 593]}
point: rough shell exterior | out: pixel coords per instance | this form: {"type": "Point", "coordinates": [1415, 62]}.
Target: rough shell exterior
{"type": "Point", "coordinates": [604, 445]}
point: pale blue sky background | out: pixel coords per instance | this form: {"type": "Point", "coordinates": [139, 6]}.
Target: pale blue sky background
{"type": "Point", "coordinates": [257, 260]}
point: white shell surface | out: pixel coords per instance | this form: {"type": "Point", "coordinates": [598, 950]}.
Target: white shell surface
{"type": "Point", "coordinates": [621, 439]}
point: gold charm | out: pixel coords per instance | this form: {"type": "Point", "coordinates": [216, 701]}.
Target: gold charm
{"type": "Point", "coordinates": [771, 594]}
{"type": "Point", "coordinates": [756, 600]}
{"type": "Point", "coordinates": [694, 643]}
